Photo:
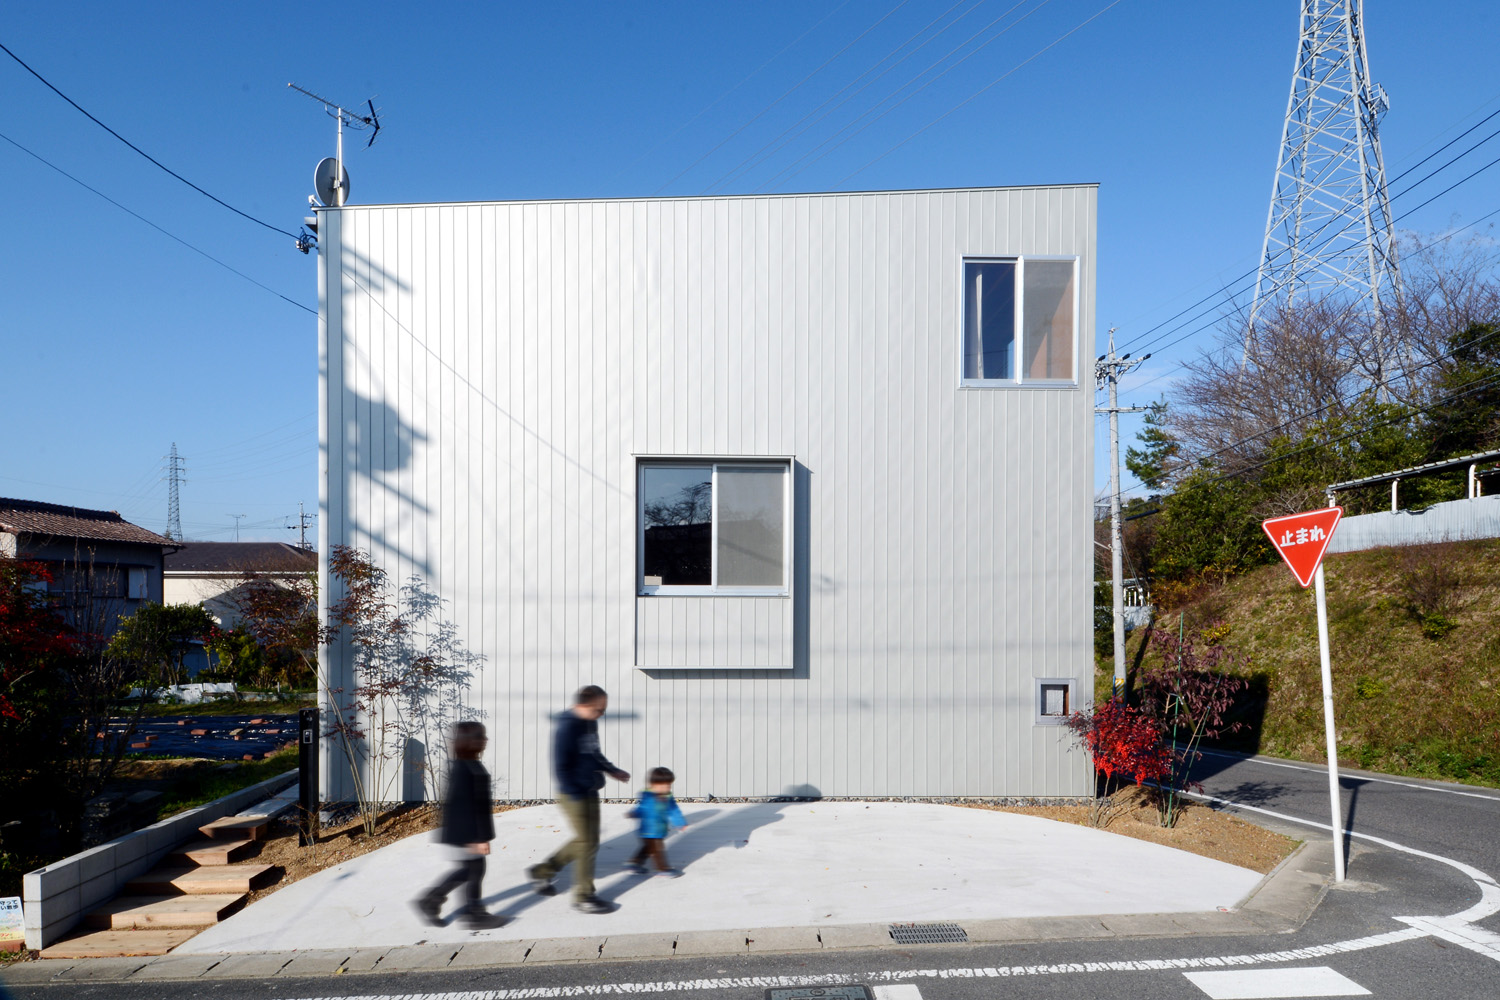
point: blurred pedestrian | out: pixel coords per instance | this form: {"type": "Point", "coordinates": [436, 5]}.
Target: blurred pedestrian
{"type": "Point", "coordinates": [468, 827]}
{"type": "Point", "coordinates": [579, 767]}
{"type": "Point", "coordinates": [658, 812]}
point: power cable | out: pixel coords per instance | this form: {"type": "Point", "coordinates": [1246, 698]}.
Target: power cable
{"type": "Point", "coordinates": [747, 164]}
{"type": "Point", "coordinates": [760, 114]}
{"type": "Point", "coordinates": [138, 149]}
{"type": "Point", "coordinates": [159, 229]}
{"type": "Point", "coordinates": [798, 165]}
{"type": "Point", "coordinates": [972, 97]}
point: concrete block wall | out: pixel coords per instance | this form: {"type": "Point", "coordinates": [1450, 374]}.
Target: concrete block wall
{"type": "Point", "coordinates": [56, 898]}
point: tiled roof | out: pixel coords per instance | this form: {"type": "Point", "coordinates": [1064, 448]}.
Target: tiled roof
{"type": "Point", "coordinates": [32, 517]}
{"type": "Point", "coordinates": [240, 557]}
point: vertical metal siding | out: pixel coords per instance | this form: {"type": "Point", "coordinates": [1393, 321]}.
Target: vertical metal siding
{"type": "Point", "coordinates": [491, 370]}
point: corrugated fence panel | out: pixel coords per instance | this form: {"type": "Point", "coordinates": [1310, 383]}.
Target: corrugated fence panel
{"type": "Point", "coordinates": [1453, 521]}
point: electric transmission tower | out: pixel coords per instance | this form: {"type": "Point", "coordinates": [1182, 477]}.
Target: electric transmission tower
{"type": "Point", "coordinates": [175, 469]}
{"type": "Point", "coordinates": [1329, 227]}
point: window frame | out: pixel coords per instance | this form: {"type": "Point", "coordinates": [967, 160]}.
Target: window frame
{"type": "Point", "coordinates": [643, 589]}
{"type": "Point", "coordinates": [1017, 382]}
{"type": "Point", "coordinates": [1070, 686]}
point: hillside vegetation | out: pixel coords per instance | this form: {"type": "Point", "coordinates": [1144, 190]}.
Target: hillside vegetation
{"type": "Point", "coordinates": [1415, 647]}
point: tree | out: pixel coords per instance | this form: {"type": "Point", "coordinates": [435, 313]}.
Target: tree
{"type": "Point", "coordinates": [1121, 742]}
{"type": "Point", "coordinates": [1208, 529]}
{"type": "Point", "coordinates": [1157, 458]}
{"type": "Point", "coordinates": [1188, 699]}
{"type": "Point", "coordinates": [33, 640]}
{"type": "Point", "coordinates": [156, 637]}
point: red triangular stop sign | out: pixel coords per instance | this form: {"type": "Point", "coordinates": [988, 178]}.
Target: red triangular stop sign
{"type": "Point", "coordinates": [1303, 538]}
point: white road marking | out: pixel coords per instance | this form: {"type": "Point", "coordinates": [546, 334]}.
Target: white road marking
{"type": "Point", "coordinates": [899, 975]}
{"type": "Point", "coordinates": [1458, 932]}
{"type": "Point", "coordinates": [1351, 777]}
{"type": "Point", "coordinates": [901, 991]}
{"type": "Point", "coordinates": [1263, 984]}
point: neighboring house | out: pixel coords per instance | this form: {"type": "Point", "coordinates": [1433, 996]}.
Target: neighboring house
{"type": "Point", "coordinates": [102, 565]}
{"type": "Point", "coordinates": [212, 573]}
{"type": "Point", "coordinates": [804, 481]}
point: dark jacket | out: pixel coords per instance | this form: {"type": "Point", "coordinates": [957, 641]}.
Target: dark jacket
{"type": "Point", "coordinates": [576, 761]}
{"type": "Point", "coordinates": [468, 811]}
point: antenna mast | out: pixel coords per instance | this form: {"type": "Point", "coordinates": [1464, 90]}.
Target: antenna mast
{"type": "Point", "coordinates": [1329, 227]}
{"type": "Point", "coordinates": [175, 469]}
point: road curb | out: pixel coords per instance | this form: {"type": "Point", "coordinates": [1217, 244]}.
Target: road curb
{"type": "Point", "coordinates": [1280, 904]}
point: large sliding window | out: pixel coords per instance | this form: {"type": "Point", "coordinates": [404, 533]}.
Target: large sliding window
{"type": "Point", "coordinates": [1020, 321]}
{"type": "Point", "coordinates": [714, 527]}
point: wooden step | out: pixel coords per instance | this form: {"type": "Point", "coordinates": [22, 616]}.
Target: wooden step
{"type": "Point", "coordinates": [178, 881]}
{"type": "Point", "coordinates": [214, 852]}
{"type": "Point", "coordinates": [118, 944]}
{"type": "Point", "coordinates": [201, 910]}
{"type": "Point", "coordinates": [237, 828]}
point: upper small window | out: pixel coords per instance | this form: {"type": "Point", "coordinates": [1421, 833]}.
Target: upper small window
{"type": "Point", "coordinates": [1019, 321]}
{"type": "Point", "coordinates": [713, 527]}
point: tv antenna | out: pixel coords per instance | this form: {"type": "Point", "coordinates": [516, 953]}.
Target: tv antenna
{"type": "Point", "coordinates": [330, 179]}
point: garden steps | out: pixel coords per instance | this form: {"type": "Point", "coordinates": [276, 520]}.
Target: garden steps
{"type": "Point", "coordinates": [214, 852]}
{"type": "Point", "coordinates": [182, 880]}
{"type": "Point", "coordinates": [120, 944]}
{"type": "Point", "coordinates": [237, 828]}
{"type": "Point", "coordinates": [199, 910]}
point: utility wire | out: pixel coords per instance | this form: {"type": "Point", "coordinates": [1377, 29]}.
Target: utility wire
{"type": "Point", "coordinates": [159, 229]}
{"type": "Point", "coordinates": [760, 114]}
{"type": "Point", "coordinates": [138, 149]}
{"type": "Point", "coordinates": [974, 96]}
{"type": "Point", "coordinates": [755, 158]}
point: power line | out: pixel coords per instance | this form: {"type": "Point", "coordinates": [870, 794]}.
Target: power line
{"type": "Point", "coordinates": [760, 114]}
{"type": "Point", "coordinates": [138, 149]}
{"type": "Point", "coordinates": [159, 229]}
{"type": "Point", "coordinates": [798, 165]}
{"type": "Point", "coordinates": [972, 97]}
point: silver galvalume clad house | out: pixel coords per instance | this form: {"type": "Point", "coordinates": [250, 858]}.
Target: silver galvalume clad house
{"type": "Point", "coordinates": [803, 481]}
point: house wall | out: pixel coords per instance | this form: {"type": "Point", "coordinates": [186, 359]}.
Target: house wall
{"type": "Point", "coordinates": [108, 561]}
{"type": "Point", "coordinates": [494, 372]}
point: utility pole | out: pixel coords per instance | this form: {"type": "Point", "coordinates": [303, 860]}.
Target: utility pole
{"type": "Point", "coordinates": [175, 479]}
{"type": "Point", "coordinates": [1107, 371]}
{"type": "Point", "coordinates": [301, 528]}
{"type": "Point", "coordinates": [237, 518]}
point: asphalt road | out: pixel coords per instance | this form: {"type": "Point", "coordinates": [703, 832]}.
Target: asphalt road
{"type": "Point", "coordinates": [1435, 852]}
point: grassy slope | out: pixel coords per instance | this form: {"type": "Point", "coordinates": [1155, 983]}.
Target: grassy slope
{"type": "Point", "coordinates": [1404, 702]}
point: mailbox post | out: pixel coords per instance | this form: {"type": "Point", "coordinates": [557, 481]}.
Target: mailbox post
{"type": "Point", "coordinates": [307, 776]}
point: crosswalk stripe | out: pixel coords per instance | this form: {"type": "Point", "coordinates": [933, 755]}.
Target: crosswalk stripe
{"type": "Point", "coordinates": [1268, 984]}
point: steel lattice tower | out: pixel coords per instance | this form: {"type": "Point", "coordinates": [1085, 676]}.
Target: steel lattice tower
{"type": "Point", "coordinates": [175, 469]}
{"type": "Point", "coordinates": [1329, 227]}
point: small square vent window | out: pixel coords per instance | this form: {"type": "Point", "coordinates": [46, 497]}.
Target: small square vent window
{"type": "Point", "coordinates": [1054, 700]}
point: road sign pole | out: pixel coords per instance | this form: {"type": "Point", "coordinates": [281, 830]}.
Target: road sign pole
{"type": "Point", "coordinates": [1333, 749]}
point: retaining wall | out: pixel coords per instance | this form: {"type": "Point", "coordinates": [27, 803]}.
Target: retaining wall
{"type": "Point", "coordinates": [56, 898]}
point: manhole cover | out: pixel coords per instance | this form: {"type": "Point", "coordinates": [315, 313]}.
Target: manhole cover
{"type": "Point", "coordinates": [929, 934]}
{"type": "Point", "coordinates": [820, 993]}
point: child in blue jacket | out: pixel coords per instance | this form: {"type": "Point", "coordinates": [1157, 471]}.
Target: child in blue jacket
{"type": "Point", "coordinates": [657, 811]}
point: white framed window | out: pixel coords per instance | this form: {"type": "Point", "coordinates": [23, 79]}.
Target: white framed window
{"type": "Point", "coordinates": [1054, 700]}
{"type": "Point", "coordinates": [714, 527]}
{"type": "Point", "coordinates": [1020, 321]}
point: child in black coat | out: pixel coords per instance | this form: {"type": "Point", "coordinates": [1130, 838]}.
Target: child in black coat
{"type": "Point", "coordinates": [468, 827]}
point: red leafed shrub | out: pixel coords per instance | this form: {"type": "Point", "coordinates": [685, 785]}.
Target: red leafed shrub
{"type": "Point", "coordinates": [1121, 743]}
{"type": "Point", "coordinates": [32, 638]}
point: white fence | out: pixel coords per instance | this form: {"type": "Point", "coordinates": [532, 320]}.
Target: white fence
{"type": "Point", "coordinates": [1454, 521]}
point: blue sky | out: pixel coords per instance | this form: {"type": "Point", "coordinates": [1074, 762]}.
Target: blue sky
{"type": "Point", "coordinates": [119, 341]}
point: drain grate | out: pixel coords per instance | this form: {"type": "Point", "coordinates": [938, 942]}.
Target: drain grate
{"type": "Point", "coordinates": [929, 934]}
{"type": "Point", "coordinates": [820, 993]}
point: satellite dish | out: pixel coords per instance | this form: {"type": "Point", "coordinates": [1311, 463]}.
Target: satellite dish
{"type": "Point", "coordinates": [323, 182]}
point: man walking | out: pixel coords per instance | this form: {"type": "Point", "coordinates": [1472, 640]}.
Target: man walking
{"type": "Point", "coordinates": [579, 767]}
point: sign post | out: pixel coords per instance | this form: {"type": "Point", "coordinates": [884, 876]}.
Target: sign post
{"type": "Point", "coordinates": [1301, 539]}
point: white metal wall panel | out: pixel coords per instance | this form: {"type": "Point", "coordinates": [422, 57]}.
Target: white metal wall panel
{"type": "Point", "coordinates": [1453, 521]}
{"type": "Point", "coordinates": [493, 370]}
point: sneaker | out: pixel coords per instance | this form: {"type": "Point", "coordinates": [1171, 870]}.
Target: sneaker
{"type": "Point", "coordinates": [429, 908]}
{"type": "Point", "coordinates": [483, 921]}
{"type": "Point", "coordinates": [634, 868]}
{"type": "Point", "coordinates": [541, 883]}
{"type": "Point", "coordinates": [593, 904]}
{"type": "Point", "coordinates": [669, 873]}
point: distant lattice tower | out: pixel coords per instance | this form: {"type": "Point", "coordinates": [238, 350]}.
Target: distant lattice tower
{"type": "Point", "coordinates": [1329, 227]}
{"type": "Point", "coordinates": [175, 469]}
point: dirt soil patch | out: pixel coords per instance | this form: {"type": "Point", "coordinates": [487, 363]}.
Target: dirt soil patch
{"type": "Point", "coordinates": [1199, 830]}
